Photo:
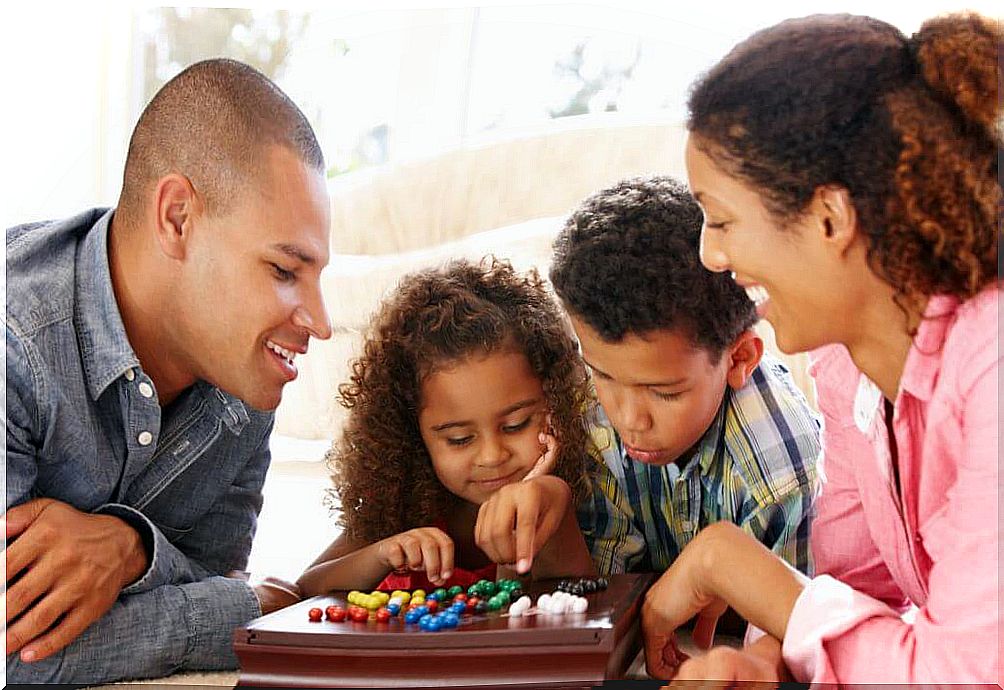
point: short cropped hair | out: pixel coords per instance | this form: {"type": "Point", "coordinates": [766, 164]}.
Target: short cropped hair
{"type": "Point", "coordinates": [627, 262]}
{"type": "Point", "coordinates": [213, 123]}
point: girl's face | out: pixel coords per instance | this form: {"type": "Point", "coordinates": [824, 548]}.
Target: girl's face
{"type": "Point", "coordinates": [786, 271]}
{"type": "Point", "coordinates": [480, 420]}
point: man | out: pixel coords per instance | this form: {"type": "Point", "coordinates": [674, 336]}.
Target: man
{"type": "Point", "coordinates": [147, 346]}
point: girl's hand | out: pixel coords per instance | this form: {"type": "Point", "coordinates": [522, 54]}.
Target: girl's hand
{"type": "Point", "coordinates": [424, 548]}
{"type": "Point", "coordinates": [549, 457]}
{"type": "Point", "coordinates": [518, 519]}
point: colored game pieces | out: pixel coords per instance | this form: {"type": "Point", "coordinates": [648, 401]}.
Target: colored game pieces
{"type": "Point", "coordinates": [443, 609]}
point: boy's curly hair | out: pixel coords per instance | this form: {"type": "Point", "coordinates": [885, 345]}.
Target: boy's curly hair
{"type": "Point", "coordinates": [909, 126]}
{"type": "Point", "coordinates": [627, 261]}
{"type": "Point", "coordinates": [384, 482]}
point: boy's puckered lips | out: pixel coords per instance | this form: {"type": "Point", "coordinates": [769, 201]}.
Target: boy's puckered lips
{"type": "Point", "coordinates": [651, 457]}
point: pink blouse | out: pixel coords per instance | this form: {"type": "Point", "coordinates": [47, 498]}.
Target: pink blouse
{"type": "Point", "coordinates": [908, 585]}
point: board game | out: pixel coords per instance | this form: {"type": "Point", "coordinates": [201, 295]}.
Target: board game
{"type": "Point", "coordinates": [491, 649]}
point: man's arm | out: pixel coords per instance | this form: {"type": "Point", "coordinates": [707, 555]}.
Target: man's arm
{"type": "Point", "coordinates": [218, 543]}
{"type": "Point", "coordinates": [223, 537]}
{"type": "Point", "coordinates": [156, 633]}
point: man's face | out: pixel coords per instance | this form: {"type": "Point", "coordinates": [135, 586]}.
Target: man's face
{"type": "Point", "coordinates": [252, 282]}
{"type": "Point", "coordinates": [660, 391]}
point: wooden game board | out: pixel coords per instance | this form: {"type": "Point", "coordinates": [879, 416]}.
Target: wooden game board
{"type": "Point", "coordinates": [570, 651]}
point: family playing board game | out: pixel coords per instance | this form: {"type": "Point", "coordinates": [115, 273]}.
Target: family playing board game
{"type": "Point", "coordinates": [551, 472]}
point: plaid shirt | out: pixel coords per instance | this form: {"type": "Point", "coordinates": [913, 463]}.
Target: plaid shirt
{"type": "Point", "coordinates": [755, 466]}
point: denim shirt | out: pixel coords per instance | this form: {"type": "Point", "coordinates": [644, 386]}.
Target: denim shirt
{"type": "Point", "coordinates": [84, 426]}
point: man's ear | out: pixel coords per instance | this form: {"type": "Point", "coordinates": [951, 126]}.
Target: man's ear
{"type": "Point", "coordinates": [835, 215]}
{"type": "Point", "coordinates": [743, 357]}
{"type": "Point", "coordinates": [176, 206]}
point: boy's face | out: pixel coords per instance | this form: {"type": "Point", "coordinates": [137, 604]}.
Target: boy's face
{"type": "Point", "coordinates": [480, 421]}
{"type": "Point", "coordinates": [660, 391]}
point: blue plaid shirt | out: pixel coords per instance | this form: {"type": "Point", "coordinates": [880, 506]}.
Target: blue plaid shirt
{"type": "Point", "coordinates": [755, 466]}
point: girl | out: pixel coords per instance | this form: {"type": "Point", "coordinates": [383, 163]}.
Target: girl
{"type": "Point", "coordinates": [439, 470]}
{"type": "Point", "coordinates": [849, 179]}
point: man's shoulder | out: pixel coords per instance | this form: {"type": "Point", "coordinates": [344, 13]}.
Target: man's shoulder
{"type": "Point", "coordinates": [40, 268]}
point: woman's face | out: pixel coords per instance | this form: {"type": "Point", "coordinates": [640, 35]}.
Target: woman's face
{"type": "Point", "coordinates": [786, 271]}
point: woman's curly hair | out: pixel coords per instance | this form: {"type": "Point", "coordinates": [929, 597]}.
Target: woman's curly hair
{"type": "Point", "coordinates": [383, 478]}
{"type": "Point", "coordinates": [909, 126]}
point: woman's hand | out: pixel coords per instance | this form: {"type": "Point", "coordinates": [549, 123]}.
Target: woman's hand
{"type": "Point", "coordinates": [725, 667]}
{"type": "Point", "coordinates": [518, 519]}
{"type": "Point", "coordinates": [721, 567]}
{"type": "Point", "coordinates": [673, 600]}
{"type": "Point", "coordinates": [423, 548]}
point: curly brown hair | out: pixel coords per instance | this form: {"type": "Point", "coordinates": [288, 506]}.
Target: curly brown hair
{"type": "Point", "coordinates": [383, 478]}
{"type": "Point", "coordinates": [627, 262]}
{"type": "Point", "coordinates": [909, 126]}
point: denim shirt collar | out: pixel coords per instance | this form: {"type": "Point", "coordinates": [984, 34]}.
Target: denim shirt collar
{"type": "Point", "coordinates": [104, 346]}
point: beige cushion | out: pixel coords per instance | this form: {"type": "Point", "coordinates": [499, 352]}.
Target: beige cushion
{"type": "Point", "coordinates": [426, 202]}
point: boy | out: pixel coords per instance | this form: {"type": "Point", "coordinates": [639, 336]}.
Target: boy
{"type": "Point", "coordinates": [694, 423]}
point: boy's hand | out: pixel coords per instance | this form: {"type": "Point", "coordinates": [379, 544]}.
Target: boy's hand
{"type": "Point", "coordinates": [424, 548]}
{"type": "Point", "coordinates": [520, 518]}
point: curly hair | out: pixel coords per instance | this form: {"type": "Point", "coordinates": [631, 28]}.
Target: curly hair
{"type": "Point", "coordinates": [627, 261]}
{"type": "Point", "coordinates": [910, 127]}
{"type": "Point", "coordinates": [382, 474]}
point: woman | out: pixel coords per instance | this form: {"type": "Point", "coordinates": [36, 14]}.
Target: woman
{"type": "Point", "coordinates": [849, 179]}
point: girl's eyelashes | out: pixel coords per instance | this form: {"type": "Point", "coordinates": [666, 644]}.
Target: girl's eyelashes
{"type": "Point", "coordinates": [513, 428]}
{"type": "Point", "coordinates": [715, 226]}
{"type": "Point", "coordinates": [460, 441]}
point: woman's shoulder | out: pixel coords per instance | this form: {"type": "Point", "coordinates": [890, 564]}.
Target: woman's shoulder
{"type": "Point", "coordinates": [836, 378]}
{"type": "Point", "coordinates": [977, 318]}
{"type": "Point", "coordinates": [972, 344]}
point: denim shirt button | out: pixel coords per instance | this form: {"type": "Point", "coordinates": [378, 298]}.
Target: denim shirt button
{"type": "Point", "coordinates": [144, 438]}
{"type": "Point", "coordinates": [146, 390]}
{"type": "Point", "coordinates": [130, 374]}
